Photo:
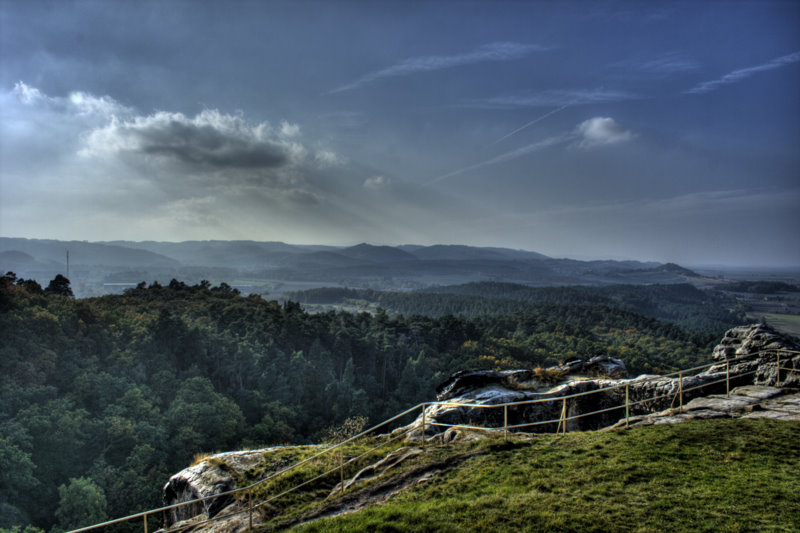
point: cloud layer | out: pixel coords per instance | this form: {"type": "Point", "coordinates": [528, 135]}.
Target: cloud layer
{"type": "Point", "coordinates": [742, 74]}
{"type": "Point", "coordinates": [492, 52]}
{"type": "Point", "coordinates": [553, 98]}
{"type": "Point", "coordinates": [106, 171]}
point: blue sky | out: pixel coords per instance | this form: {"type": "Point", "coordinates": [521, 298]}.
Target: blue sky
{"type": "Point", "coordinates": [651, 130]}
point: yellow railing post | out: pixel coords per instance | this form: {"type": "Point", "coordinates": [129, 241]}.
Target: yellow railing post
{"type": "Point", "coordinates": [778, 378]}
{"type": "Point", "coordinates": [627, 403]}
{"type": "Point", "coordinates": [505, 422]}
{"type": "Point", "coordinates": [564, 415]}
{"type": "Point", "coordinates": [250, 505]}
{"type": "Point", "coordinates": [680, 392]}
{"type": "Point", "coordinates": [341, 470]}
{"type": "Point", "coordinates": [727, 378]}
{"type": "Point", "coordinates": [423, 424]}
{"type": "Point", "coordinates": [145, 523]}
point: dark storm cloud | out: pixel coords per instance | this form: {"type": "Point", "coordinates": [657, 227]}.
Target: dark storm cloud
{"type": "Point", "coordinates": [211, 140]}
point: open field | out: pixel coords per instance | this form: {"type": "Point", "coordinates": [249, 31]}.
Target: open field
{"type": "Point", "coordinates": [789, 324]}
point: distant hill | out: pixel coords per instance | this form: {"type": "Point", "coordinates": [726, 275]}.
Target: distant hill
{"type": "Point", "coordinates": [761, 287]}
{"type": "Point", "coordinates": [253, 264]}
{"type": "Point", "coordinates": [377, 254]}
{"type": "Point", "coordinates": [232, 254]}
{"type": "Point", "coordinates": [85, 253]}
{"type": "Point", "coordinates": [676, 269]}
{"type": "Point", "coordinates": [455, 252]}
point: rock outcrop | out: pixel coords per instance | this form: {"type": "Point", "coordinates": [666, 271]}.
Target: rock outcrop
{"type": "Point", "coordinates": [749, 401]}
{"type": "Point", "coordinates": [749, 351]}
{"type": "Point", "coordinates": [212, 476]}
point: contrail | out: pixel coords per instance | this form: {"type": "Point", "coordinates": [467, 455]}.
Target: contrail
{"type": "Point", "coordinates": [508, 156]}
{"type": "Point", "coordinates": [531, 123]}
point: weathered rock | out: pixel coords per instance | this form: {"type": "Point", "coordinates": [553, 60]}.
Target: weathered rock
{"type": "Point", "coordinates": [647, 394]}
{"type": "Point", "coordinates": [762, 343]}
{"type": "Point", "coordinates": [213, 475]}
{"type": "Point", "coordinates": [744, 402]}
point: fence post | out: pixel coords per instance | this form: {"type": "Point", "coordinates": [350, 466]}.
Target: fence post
{"type": "Point", "coordinates": [778, 378]}
{"type": "Point", "coordinates": [341, 470]}
{"type": "Point", "coordinates": [505, 422]}
{"type": "Point", "coordinates": [627, 404]}
{"type": "Point", "coordinates": [680, 392]}
{"type": "Point", "coordinates": [727, 378]}
{"type": "Point", "coordinates": [145, 523]}
{"type": "Point", "coordinates": [423, 425]}
{"type": "Point", "coordinates": [564, 415]}
{"type": "Point", "coordinates": [250, 506]}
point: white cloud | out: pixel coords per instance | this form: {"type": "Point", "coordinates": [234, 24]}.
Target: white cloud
{"type": "Point", "coordinates": [327, 158]}
{"type": "Point", "coordinates": [289, 130]}
{"type": "Point", "coordinates": [376, 182]}
{"type": "Point", "coordinates": [209, 140]}
{"type": "Point", "coordinates": [741, 74]}
{"type": "Point", "coordinates": [600, 131]}
{"type": "Point", "coordinates": [76, 103]}
{"type": "Point", "coordinates": [492, 52]}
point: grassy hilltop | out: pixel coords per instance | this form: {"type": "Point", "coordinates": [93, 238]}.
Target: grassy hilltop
{"type": "Point", "coordinates": [721, 475]}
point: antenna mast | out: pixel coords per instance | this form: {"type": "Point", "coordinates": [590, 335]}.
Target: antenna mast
{"type": "Point", "coordinates": [67, 264]}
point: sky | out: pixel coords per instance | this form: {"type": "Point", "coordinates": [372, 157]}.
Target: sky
{"type": "Point", "coordinates": [666, 131]}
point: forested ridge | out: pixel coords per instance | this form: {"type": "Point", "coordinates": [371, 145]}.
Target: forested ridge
{"type": "Point", "coordinates": [102, 399]}
{"type": "Point", "coordinates": [681, 304]}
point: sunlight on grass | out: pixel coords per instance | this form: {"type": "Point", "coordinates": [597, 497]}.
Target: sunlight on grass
{"type": "Point", "coordinates": [728, 475]}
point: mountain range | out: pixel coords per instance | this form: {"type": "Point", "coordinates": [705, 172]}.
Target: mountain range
{"type": "Point", "coordinates": [114, 264]}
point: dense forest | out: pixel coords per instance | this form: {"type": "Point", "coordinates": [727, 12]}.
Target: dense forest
{"type": "Point", "coordinates": [703, 311]}
{"type": "Point", "coordinates": [102, 399]}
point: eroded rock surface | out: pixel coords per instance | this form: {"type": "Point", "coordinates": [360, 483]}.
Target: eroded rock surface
{"type": "Point", "coordinates": [215, 474]}
{"type": "Point", "coordinates": [742, 349]}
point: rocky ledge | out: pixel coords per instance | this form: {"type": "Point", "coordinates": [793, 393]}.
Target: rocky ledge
{"type": "Point", "coordinates": [749, 352]}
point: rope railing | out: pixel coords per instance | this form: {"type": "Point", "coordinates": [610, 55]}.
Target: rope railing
{"type": "Point", "coordinates": [561, 423]}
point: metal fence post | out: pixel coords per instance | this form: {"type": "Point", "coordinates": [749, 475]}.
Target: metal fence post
{"type": "Point", "coordinates": [250, 505]}
{"type": "Point", "coordinates": [680, 392]}
{"type": "Point", "coordinates": [564, 415]}
{"type": "Point", "coordinates": [778, 369]}
{"type": "Point", "coordinates": [423, 424]}
{"type": "Point", "coordinates": [627, 404]}
{"type": "Point", "coordinates": [505, 422]}
{"type": "Point", "coordinates": [145, 523]}
{"type": "Point", "coordinates": [727, 378]}
{"type": "Point", "coordinates": [341, 470]}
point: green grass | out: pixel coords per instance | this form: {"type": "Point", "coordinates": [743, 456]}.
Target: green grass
{"type": "Point", "coordinates": [784, 323]}
{"type": "Point", "coordinates": [722, 475]}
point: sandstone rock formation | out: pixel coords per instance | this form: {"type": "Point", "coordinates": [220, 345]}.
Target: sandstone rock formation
{"type": "Point", "coordinates": [213, 476]}
{"type": "Point", "coordinates": [749, 351]}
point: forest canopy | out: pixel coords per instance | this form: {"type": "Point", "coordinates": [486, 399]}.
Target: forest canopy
{"type": "Point", "coordinates": [107, 397]}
